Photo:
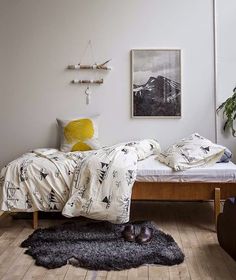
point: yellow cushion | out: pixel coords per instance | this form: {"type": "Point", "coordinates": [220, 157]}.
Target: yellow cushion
{"type": "Point", "coordinates": [79, 134]}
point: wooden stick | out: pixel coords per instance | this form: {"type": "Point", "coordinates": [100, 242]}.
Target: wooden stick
{"type": "Point", "coordinates": [35, 220]}
{"type": "Point", "coordinates": [101, 66]}
{"type": "Point", "coordinates": [88, 67]}
{"type": "Point", "coordinates": [217, 204]}
{"type": "Point", "coordinates": [100, 81]}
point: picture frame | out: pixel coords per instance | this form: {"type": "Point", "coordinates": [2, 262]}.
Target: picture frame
{"type": "Point", "coordinates": [156, 88]}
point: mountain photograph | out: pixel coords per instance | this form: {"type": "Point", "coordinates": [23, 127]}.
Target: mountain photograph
{"type": "Point", "coordinates": [156, 86]}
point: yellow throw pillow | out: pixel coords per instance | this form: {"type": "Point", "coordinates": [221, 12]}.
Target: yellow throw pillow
{"type": "Point", "coordinates": [79, 134]}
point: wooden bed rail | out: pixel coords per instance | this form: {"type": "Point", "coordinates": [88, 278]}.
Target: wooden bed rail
{"type": "Point", "coordinates": [178, 192]}
{"type": "Point", "coordinates": [183, 191]}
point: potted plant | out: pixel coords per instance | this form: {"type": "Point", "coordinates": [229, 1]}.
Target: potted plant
{"type": "Point", "coordinates": [229, 111]}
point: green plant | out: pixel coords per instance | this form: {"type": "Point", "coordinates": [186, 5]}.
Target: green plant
{"type": "Point", "coordinates": [229, 111]}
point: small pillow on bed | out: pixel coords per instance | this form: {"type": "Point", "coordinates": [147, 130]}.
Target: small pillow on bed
{"type": "Point", "coordinates": [79, 134]}
{"type": "Point", "coordinates": [226, 157]}
{"type": "Point", "coordinates": [194, 151]}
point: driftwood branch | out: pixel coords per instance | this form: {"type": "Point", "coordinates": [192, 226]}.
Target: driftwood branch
{"type": "Point", "coordinates": [100, 81]}
{"type": "Point", "coordinates": [102, 66]}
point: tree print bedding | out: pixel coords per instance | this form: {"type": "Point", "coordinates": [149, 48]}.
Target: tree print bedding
{"type": "Point", "coordinates": [95, 184]}
{"type": "Point", "coordinates": [190, 152]}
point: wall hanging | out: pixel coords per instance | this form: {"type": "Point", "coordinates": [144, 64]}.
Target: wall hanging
{"type": "Point", "coordinates": [156, 83]}
{"type": "Point", "coordinates": [94, 66]}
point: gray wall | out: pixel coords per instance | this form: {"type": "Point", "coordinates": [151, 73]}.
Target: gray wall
{"type": "Point", "coordinates": [226, 62]}
{"type": "Point", "coordinates": [39, 38]}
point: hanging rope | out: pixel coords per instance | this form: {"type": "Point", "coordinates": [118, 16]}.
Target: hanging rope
{"type": "Point", "coordinates": [88, 46]}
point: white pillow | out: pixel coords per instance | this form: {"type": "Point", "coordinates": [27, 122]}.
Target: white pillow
{"type": "Point", "coordinates": [80, 134]}
{"type": "Point", "coordinates": [193, 151]}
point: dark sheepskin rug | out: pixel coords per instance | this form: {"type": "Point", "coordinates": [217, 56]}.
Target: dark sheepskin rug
{"type": "Point", "coordinates": [99, 246]}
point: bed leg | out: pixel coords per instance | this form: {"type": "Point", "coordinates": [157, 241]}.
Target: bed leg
{"type": "Point", "coordinates": [217, 204]}
{"type": "Point", "coordinates": [35, 220]}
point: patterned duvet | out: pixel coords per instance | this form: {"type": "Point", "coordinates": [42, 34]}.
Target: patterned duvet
{"type": "Point", "coordinates": [95, 184]}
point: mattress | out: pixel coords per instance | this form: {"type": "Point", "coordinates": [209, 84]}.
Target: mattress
{"type": "Point", "coordinates": [151, 170]}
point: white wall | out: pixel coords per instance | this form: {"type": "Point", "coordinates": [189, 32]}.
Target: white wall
{"type": "Point", "coordinates": [226, 62]}
{"type": "Point", "coordinates": [39, 38]}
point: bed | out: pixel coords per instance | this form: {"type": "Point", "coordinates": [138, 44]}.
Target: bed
{"type": "Point", "coordinates": [154, 181]}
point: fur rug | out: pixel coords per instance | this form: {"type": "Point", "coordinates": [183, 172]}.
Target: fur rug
{"type": "Point", "coordinates": [99, 246]}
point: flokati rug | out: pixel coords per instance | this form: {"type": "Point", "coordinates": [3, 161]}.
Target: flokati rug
{"type": "Point", "coordinates": [99, 246]}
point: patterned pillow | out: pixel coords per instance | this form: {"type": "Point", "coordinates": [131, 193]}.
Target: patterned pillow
{"type": "Point", "coordinates": [79, 134]}
{"type": "Point", "coordinates": [226, 157]}
{"type": "Point", "coordinates": [194, 151]}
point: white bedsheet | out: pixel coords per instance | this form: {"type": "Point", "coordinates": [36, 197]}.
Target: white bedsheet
{"type": "Point", "coordinates": [151, 170]}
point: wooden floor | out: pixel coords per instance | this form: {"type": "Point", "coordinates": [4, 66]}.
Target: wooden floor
{"type": "Point", "coordinates": [191, 225]}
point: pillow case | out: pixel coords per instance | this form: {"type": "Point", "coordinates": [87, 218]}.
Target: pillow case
{"type": "Point", "coordinates": [226, 157]}
{"type": "Point", "coordinates": [80, 134]}
{"type": "Point", "coordinates": [193, 151]}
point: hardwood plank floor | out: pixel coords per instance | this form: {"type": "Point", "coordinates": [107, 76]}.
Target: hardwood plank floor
{"type": "Point", "coordinates": [190, 223]}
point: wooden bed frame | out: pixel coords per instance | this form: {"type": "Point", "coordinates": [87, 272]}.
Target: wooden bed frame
{"type": "Point", "coordinates": [178, 192]}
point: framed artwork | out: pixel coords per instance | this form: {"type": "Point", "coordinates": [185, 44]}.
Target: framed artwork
{"type": "Point", "coordinates": [156, 83]}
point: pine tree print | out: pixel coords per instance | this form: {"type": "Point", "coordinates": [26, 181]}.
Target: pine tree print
{"type": "Point", "coordinates": [205, 149]}
{"type": "Point", "coordinates": [52, 197]}
{"type": "Point", "coordinates": [43, 173]}
{"type": "Point", "coordinates": [52, 201]}
{"type": "Point", "coordinates": [102, 173]}
{"type": "Point", "coordinates": [107, 200]}
{"type": "Point", "coordinates": [125, 151]}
